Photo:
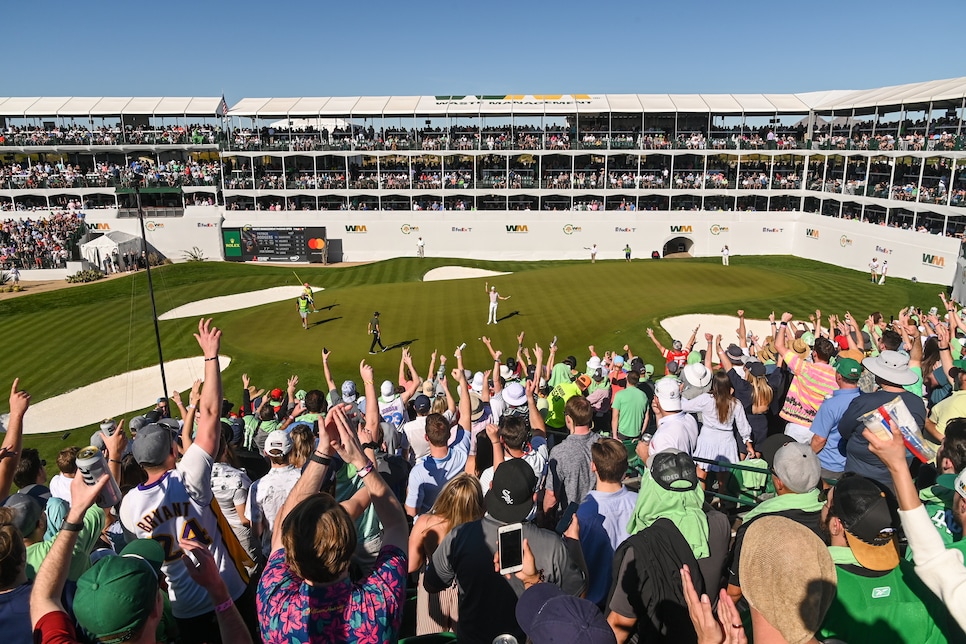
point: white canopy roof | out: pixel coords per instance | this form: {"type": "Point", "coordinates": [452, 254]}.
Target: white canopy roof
{"type": "Point", "coordinates": [79, 106]}
{"type": "Point", "coordinates": [523, 104]}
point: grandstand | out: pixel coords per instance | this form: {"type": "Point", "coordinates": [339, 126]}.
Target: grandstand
{"type": "Point", "coordinates": [839, 176]}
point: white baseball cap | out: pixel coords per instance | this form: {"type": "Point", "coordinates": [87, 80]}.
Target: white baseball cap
{"type": "Point", "coordinates": [278, 443]}
{"type": "Point", "coordinates": [668, 392]}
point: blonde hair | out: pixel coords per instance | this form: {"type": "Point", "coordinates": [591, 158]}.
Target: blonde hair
{"type": "Point", "coordinates": [460, 501]}
{"type": "Point", "coordinates": [303, 444]}
{"type": "Point", "coordinates": [439, 405]}
{"type": "Point", "coordinates": [319, 538]}
{"type": "Point", "coordinates": [761, 393]}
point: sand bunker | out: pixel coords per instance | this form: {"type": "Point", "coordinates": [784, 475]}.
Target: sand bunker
{"type": "Point", "coordinates": [681, 327]}
{"type": "Point", "coordinates": [235, 302]}
{"type": "Point", "coordinates": [113, 397]}
{"type": "Point", "coordinates": [458, 273]}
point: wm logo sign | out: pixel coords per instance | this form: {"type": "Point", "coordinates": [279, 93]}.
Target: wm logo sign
{"type": "Point", "coordinates": [680, 229]}
{"type": "Point", "coordinates": [356, 229]}
{"type": "Point", "coordinates": [517, 229]}
{"type": "Point", "coordinates": [811, 232]}
{"type": "Point", "coordinates": [933, 260]}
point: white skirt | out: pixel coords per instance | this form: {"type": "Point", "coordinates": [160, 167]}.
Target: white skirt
{"type": "Point", "coordinates": [716, 445]}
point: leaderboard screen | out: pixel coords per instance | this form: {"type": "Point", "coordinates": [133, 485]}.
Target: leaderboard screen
{"type": "Point", "coordinates": [259, 244]}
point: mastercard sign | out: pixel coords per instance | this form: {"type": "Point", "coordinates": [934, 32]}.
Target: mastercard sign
{"type": "Point", "coordinates": [316, 243]}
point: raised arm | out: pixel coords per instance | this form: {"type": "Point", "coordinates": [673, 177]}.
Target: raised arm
{"type": "Point", "coordinates": [329, 382]}
{"type": "Point", "coordinates": [708, 364]}
{"type": "Point", "coordinates": [450, 401]}
{"type": "Point", "coordinates": [49, 584]}
{"type": "Point", "coordinates": [385, 503]}
{"type": "Point", "coordinates": [432, 366]}
{"type": "Point", "coordinates": [780, 338]}
{"type": "Point", "coordinates": [538, 356]}
{"type": "Point", "coordinates": [315, 469]}
{"type": "Point", "coordinates": [489, 346]}
{"type": "Point", "coordinates": [13, 439]}
{"type": "Point", "coordinates": [372, 399]}
{"type": "Point", "coordinates": [945, 353]}
{"type": "Point", "coordinates": [537, 425]}
{"type": "Point", "coordinates": [411, 385]}
{"type": "Point", "coordinates": [657, 343]}
{"type": "Point", "coordinates": [209, 412]}
{"type": "Point", "coordinates": [723, 358]}
{"type": "Point", "coordinates": [694, 335]}
{"type": "Point", "coordinates": [188, 423]}
{"type": "Point", "coordinates": [497, 385]}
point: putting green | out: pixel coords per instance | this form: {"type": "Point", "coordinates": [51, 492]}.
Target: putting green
{"type": "Point", "coordinates": [61, 340]}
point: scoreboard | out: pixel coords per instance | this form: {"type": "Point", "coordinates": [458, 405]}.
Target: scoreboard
{"type": "Point", "coordinates": [263, 244]}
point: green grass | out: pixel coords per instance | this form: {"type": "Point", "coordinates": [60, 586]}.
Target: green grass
{"type": "Point", "coordinates": [61, 340]}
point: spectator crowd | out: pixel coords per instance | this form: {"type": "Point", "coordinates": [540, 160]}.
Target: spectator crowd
{"type": "Point", "coordinates": [40, 243]}
{"type": "Point", "coordinates": [805, 486]}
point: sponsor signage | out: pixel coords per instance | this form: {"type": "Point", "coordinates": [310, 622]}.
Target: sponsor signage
{"type": "Point", "coordinates": [844, 241]}
{"type": "Point", "coordinates": [717, 230]}
{"type": "Point", "coordinates": [811, 233]}
{"type": "Point", "coordinates": [101, 226]}
{"type": "Point", "coordinates": [232, 239]}
{"type": "Point", "coordinates": [621, 229]}
{"type": "Point", "coordinates": [356, 228]}
{"type": "Point", "coordinates": [293, 244]}
{"type": "Point", "coordinates": [517, 228]}
{"type": "Point", "coordinates": [408, 228]}
{"type": "Point", "coordinates": [154, 225]}
{"type": "Point", "coordinates": [771, 230]}
{"type": "Point", "coordinates": [570, 229]}
{"type": "Point", "coordinates": [933, 260]}
{"type": "Point", "coordinates": [680, 229]}
{"type": "Point", "coordinates": [460, 229]}
{"type": "Point", "coordinates": [882, 250]}
{"type": "Point", "coordinates": [202, 224]}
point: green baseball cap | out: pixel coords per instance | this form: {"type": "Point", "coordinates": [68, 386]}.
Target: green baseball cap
{"type": "Point", "coordinates": [848, 368]}
{"type": "Point", "coordinates": [115, 597]}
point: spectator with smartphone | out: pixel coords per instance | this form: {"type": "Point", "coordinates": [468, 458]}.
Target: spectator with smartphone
{"type": "Point", "coordinates": [466, 556]}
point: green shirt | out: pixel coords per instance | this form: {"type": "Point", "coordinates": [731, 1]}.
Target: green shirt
{"type": "Point", "coordinates": [80, 559]}
{"type": "Point", "coordinates": [632, 405]}
{"type": "Point", "coordinates": [882, 607]}
{"type": "Point", "coordinates": [558, 397]}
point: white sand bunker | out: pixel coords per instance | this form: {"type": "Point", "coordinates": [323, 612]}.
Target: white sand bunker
{"type": "Point", "coordinates": [681, 327]}
{"type": "Point", "coordinates": [113, 397]}
{"type": "Point", "coordinates": [235, 302]}
{"type": "Point", "coordinates": [458, 273]}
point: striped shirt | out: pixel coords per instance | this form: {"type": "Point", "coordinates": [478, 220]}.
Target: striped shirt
{"type": "Point", "coordinates": [813, 381]}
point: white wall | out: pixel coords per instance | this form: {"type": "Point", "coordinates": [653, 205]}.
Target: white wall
{"type": "Point", "coordinates": [172, 236]}
{"type": "Point", "coordinates": [496, 235]}
{"type": "Point", "coordinates": [376, 235]}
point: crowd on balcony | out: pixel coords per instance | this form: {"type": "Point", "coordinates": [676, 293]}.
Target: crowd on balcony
{"type": "Point", "coordinates": [20, 176]}
{"type": "Point", "coordinates": [73, 134]}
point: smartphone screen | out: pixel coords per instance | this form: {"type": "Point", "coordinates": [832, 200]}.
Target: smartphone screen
{"type": "Point", "coordinates": [566, 518]}
{"type": "Point", "coordinates": [511, 549]}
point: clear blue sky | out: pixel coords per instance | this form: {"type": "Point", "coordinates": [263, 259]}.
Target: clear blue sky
{"type": "Point", "coordinates": [329, 48]}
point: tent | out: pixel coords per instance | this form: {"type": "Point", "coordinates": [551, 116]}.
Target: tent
{"type": "Point", "coordinates": [97, 249]}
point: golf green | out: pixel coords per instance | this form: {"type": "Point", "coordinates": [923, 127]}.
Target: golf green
{"type": "Point", "coordinates": [60, 340]}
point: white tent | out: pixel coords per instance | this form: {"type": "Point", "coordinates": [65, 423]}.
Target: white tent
{"type": "Point", "coordinates": [97, 249]}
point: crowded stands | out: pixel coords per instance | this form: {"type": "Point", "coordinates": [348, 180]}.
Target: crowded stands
{"type": "Point", "coordinates": [40, 243]}
{"type": "Point", "coordinates": [809, 485]}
